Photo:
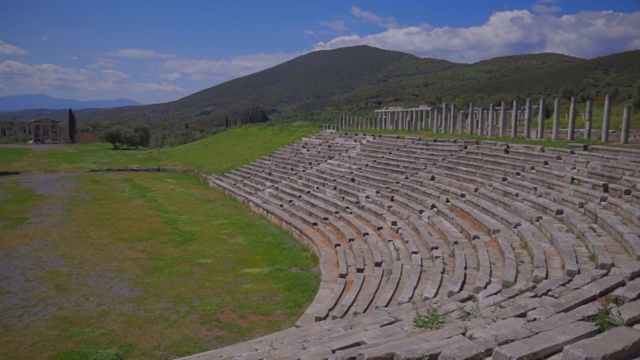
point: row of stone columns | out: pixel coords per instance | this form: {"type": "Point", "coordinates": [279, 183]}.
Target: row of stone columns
{"type": "Point", "coordinates": [448, 119]}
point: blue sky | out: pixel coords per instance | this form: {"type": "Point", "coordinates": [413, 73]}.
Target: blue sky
{"type": "Point", "coordinates": [162, 50]}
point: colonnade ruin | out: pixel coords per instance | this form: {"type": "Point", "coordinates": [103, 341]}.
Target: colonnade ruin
{"type": "Point", "coordinates": [499, 121]}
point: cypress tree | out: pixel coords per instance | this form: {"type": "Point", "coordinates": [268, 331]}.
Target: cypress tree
{"type": "Point", "coordinates": [72, 127]}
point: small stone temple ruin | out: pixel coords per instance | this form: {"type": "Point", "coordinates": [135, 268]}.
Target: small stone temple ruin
{"type": "Point", "coordinates": [45, 130]}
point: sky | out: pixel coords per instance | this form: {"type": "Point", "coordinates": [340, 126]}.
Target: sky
{"type": "Point", "coordinates": [154, 51]}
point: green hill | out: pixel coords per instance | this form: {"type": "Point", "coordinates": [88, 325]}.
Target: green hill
{"type": "Point", "coordinates": [319, 85]}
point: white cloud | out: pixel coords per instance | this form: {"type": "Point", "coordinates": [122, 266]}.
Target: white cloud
{"type": "Point", "coordinates": [103, 63]}
{"type": "Point", "coordinates": [23, 77]}
{"type": "Point", "coordinates": [8, 49]}
{"type": "Point", "coordinates": [139, 53]}
{"type": "Point", "coordinates": [71, 57]}
{"type": "Point", "coordinates": [171, 76]}
{"type": "Point", "coordinates": [337, 25]}
{"type": "Point", "coordinates": [368, 16]}
{"type": "Point", "coordinates": [164, 87]}
{"type": "Point", "coordinates": [225, 69]}
{"type": "Point", "coordinates": [45, 76]}
{"type": "Point", "coordinates": [585, 34]}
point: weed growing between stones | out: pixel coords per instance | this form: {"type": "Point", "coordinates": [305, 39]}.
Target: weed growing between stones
{"type": "Point", "coordinates": [433, 320]}
{"type": "Point", "coordinates": [604, 319]}
{"type": "Point", "coordinates": [507, 284]}
{"type": "Point", "coordinates": [466, 315]}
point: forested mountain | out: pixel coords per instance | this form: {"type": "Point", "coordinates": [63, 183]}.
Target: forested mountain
{"type": "Point", "coordinates": [359, 79]}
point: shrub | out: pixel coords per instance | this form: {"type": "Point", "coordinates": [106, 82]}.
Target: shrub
{"type": "Point", "coordinates": [133, 137]}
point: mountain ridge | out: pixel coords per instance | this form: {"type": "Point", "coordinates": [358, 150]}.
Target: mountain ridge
{"type": "Point", "coordinates": [44, 101]}
{"type": "Point", "coordinates": [319, 85]}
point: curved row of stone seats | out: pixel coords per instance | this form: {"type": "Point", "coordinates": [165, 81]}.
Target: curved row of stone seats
{"type": "Point", "coordinates": [554, 317]}
{"type": "Point", "coordinates": [592, 189]}
{"type": "Point", "coordinates": [411, 281]}
{"type": "Point", "coordinates": [555, 210]}
{"type": "Point", "coordinates": [358, 262]}
{"type": "Point", "coordinates": [562, 186]}
{"type": "Point", "coordinates": [389, 289]}
{"type": "Point", "coordinates": [342, 302]}
{"type": "Point", "coordinates": [330, 282]}
{"type": "Point", "coordinates": [489, 226]}
{"type": "Point", "coordinates": [568, 251]}
{"type": "Point", "coordinates": [343, 263]}
{"type": "Point", "coordinates": [439, 204]}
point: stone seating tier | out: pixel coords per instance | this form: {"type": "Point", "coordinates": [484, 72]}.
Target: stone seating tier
{"type": "Point", "coordinates": [406, 227]}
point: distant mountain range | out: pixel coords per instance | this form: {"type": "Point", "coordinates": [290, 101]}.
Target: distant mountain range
{"type": "Point", "coordinates": [356, 80]}
{"type": "Point", "coordinates": [42, 101]}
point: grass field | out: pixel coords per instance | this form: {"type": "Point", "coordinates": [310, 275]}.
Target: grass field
{"type": "Point", "coordinates": [141, 265]}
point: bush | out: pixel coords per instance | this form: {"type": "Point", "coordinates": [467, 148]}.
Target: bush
{"type": "Point", "coordinates": [114, 136]}
{"type": "Point", "coordinates": [133, 137]}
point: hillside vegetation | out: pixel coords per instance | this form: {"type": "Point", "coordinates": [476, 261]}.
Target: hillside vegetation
{"type": "Point", "coordinates": [317, 86]}
{"type": "Point", "coordinates": [236, 147]}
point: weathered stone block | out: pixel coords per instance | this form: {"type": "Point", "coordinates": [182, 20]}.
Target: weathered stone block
{"type": "Point", "coordinates": [630, 312]}
{"type": "Point", "coordinates": [629, 292]}
{"type": "Point", "coordinates": [546, 343]}
{"type": "Point", "coordinates": [619, 343]}
{"type": "Point", "coordinates": [605, 285]}
{"type": "Point", "coordinates": [468, 350]}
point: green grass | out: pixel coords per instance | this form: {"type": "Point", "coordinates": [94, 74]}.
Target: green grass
{"type": "Point", "coordinates": [15, 203]}
{"type": "Point", "coordinates": [145, 265]}
{"type": "Point", "coordinates": [236, 147]}
{"type": "Point", "coordinates": [161, 262]}
{"type": "Point", "coordinates": [9, 157]}
{"type": "Point", "coordinates": [76, 157]}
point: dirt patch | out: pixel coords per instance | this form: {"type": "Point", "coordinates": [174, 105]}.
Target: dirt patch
{"type": "Point", "coordinates": [58, 188]}
{"type": "Point", "coordinates": [37, 279]}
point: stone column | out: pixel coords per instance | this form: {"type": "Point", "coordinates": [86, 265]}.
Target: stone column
{"type": "Point", "coordinates": [432, 118]}
{"type": "Point", "coordinates": [514, 119]}
{"type": "Point", "coordinates": [407, 118]}
{"type": "Point", "coordinates": [606, 118]}
{"type": "Point", "coordinates": [452, 119]}
{"type": "Point", "coordinates": [588, 119]}
{"type": "Point", "coordinates": [572, 120]}
{"type": "Point", "coordinates": [556, 119]}
{"type": "Point", "coordinates": [490, 118]}
{"type": "Point", "coordinates": [470, 120]}
{"type": "Point", "coordinates": [480, 122]}
{"type": "Point", "coordinates": [503, 124]}
{"type": "Point", "coordinates": [443, 123]}
{"type": "Point", "coordinates": [424, 119]}
{"type": "Point", "coordinates": [541, 120]}
{"type": "Point", "coordinates": [460, 122]}
{"type": "Point", "coordinates": [527, 119]}
{"type": "Point", "coordinates": [626, 120]}
{"type": "Point", "coordinates": [394, 120]}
